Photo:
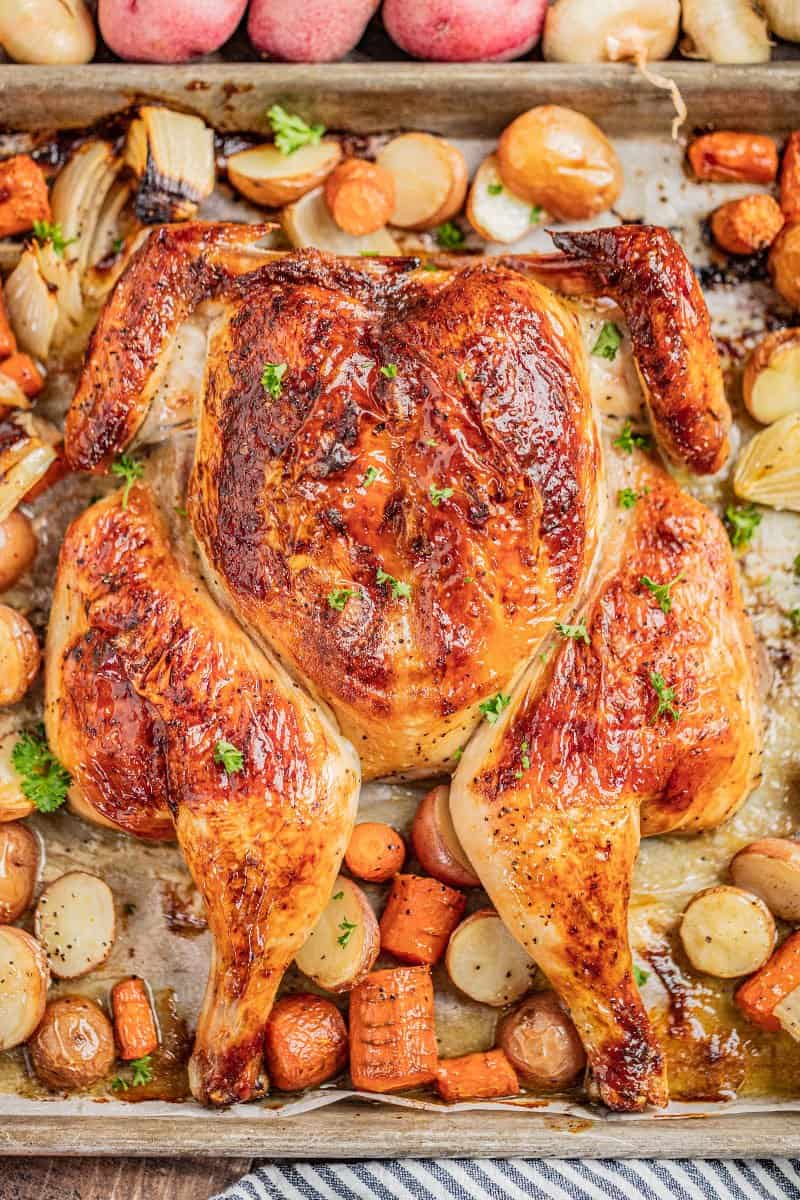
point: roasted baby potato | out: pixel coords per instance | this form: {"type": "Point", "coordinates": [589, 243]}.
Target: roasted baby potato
{"type": "Point", "coordinates": [771, 382]}
{"type": "Point", "coordinates": [75, 923]}
{"type": "Point", "coordinates": [24, 980]}
{"type": "Point", "coordinates": [784, 263]}
{"type": "Point", "coordinates": [20, 655]}
{"type": "Point", "coordinates": [770, 869]}
{"type": "Point", "coordinates": [272, 179]}
{"type": "Point", "coordinates": [19, 868]}
{"type": "Point", "coordinates": [305, 1042]}
{"type": "Point", "coordinates": [17, 548]}
{"type": "Point", "coordinates": [308, 222]}
{"type": "Point", "coordinates": [486, 963]}
{"type": "Point", "coordinates": [360, 196]}
{"type": "Point", "coordinates": [727, 932]}
{"type": "Point", "coordinates": [14, 804]}
{"type": "Point", "coordinates": [343, 945]}
{"type": "Point", "coordinates": [494, 212]}
{"type": "Point", "coordinates": [436, 844]}
{"type": "Point", "coordinates": [429, 177]}
{"type": "Point", "coordinates": [541, 1042]}
{"type": "Point", "coordinates": [728, 157]}
{"type": "Point", "coordinates": [73, 1046]}
{"type": "Point", "coordinates": [747, 225]}
{"type": "Point", "coordinates": [559, 159]}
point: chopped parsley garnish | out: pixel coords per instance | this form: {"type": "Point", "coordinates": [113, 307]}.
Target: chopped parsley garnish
{"type": "Point", "coordinates": [180, 510]}
{"type": "Point", "coordinates": [272, 378]}
{"type": "Point", "coordinates": [640, 975]}
{"type": "Point", "coordinates": [493, 707]}
{"type": "Point", "coordinates": [347, 928]}
{"type": "Point", "coordinates": [666, 698]}
{"type": "Point", "coordinates": [449, 236]}
{"type": "Point", "coordinates": [228, 757]}
{"type": "Point", "coordinates": [536, 214]}
{"type": "Point", "coordinates": [457, 754]}
{"type": "Point", "coordinates": [796, 566]}
{"type": "Point", "coordinates": [370, 475]}
{"type": "Point", "coordinates": [430, 266]}
{"type": "Point", "coordinates": [142, 1074]}
{"type": "Point", "coordinates": [338, 896]}
{"type": "Point", "coordinates": [44, 781]}
{"type": "Point", "coordinates": [741, 522]}
{"type": "Point", "coordinates": [117, 245]}
{"type": "Point", "coordinates": [437, 495]}
{"type": "Point", "coordinates": [525, 757]}
{"type": "Point", "coordinates": [50, 231]}
{"type": "Point", "coordinates": [661, 591]}
{"type": "Point", "coordinates": [400, 589]}
{"type": "Point", "coordinates": [461, 376]}
{"type": "Point", "coordinates": [291, 132]}
{"type": "Point", "coordinates": [494, 189]}
{"type": "Point", "coordinates": [608, 342]}
{"type": "Point", "coordinates": [370, 253]}
{"type": "Point", "coordinates": [794, 618]}
{"type": "Point", "coordinates": [389, 371]}
{"type": "Point", "coordinates": [129, 469]}
{"type": "Point", "coordinates": [578, 633]}
{"type": "Point", "coordinates": [627, 440]}
{"type": "Point", "coordinates": [627, 497]}
{"type": "Point", "coordinates": [338, 598]}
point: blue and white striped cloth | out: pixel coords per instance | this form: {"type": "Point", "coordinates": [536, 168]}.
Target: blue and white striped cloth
{"type": "Point", "coordinates": [521, 1179]}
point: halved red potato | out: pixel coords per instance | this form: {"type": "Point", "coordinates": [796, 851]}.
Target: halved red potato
{"type": "Point", "coordinates": [493, 211]}
{"type": "Point", "coordinates": [343, 945]}
{"type": "Point", "coordinates": [308, 222]}
{"type": "Point", "coordinates": [436, 844]}
{"type": "Point", "coordinates": [75, 923]}
{"type": "Point", "coordinates": [74, 1044]}
{"type": "Point", "coordinates": [24, 980]}
{"type": "Point", "coordinates": [20, 655]}
{"type": "Point", "coordinates": [770, 868]}
{"type": "Point", "coordinates": [14, 804]}
{"type": "Point", "coordinates": [429, 175]}
{"type": "Point", "coordinates": [541, 1042]}
{"type": "Point", "coordinates": [19, 868]}
{"type": "Point", "coordinates": [271, 179]}
{"type": "Point", "coordinates": [727, 932]}
{"type": "Point", "coordinates": [486, 963]}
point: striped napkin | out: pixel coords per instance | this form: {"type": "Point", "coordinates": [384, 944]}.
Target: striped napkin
{"type": "Point", "coordinates": [520, 1179]}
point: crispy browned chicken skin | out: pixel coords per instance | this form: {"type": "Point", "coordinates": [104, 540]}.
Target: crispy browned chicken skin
{"type": "Point", "coordinates": [400, 507]}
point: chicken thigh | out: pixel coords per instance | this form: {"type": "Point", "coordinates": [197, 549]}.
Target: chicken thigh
{"type": "Point", "coordinates": [397, 490]}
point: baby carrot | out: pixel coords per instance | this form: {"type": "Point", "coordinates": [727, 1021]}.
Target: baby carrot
{"type": "Point", "coordinates": [23, 195]}
{"type": "Point", "coordinates": [392, 1035]}
{"type": "Point", "coordinates": [419, 917]}
{"type": "Point", "coordinates": [760, 995]}
{"type": "Point", "coordinates": [23, 370]}
{"type": "Point", "coordinates": [482, 1076]}
{"type": "Point", "coordinates": [134, 1023]}
{"type": "Point", "coordinates": [376, 852]}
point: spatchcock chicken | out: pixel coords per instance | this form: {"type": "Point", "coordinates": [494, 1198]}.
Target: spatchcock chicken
{"type": "Point", "coordinates": [424, 444]}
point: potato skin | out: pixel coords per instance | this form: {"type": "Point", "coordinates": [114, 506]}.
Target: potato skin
{"type": "Point", "coordinates": [19, 866]}
{"type": "Point", "coordinates": [17, 548]}
{"type": "Point", "coordinates": [73, 1046]}
{"type": "Point", "coordinates": [541, 1042]}
{"type": "Point", "coordinates": [174, 32]}
{"type": "Point", "coordinates": [760, 359]}
{"type": "Point", "coordinates": [305, 1042]}
{"type": "Point", "coordinates": [784, 263]}
{"type": "Point", "coordinates": [559, 159]}
{"type": "Point", "coordinates": [747, 225]}
{"type": "Point", "coordinates": [726, 156]}
{"type": "Point", "coordinates": [20, 655]}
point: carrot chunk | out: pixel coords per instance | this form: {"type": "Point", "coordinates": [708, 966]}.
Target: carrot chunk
{"type": "Point", "coordinates": [419, 917]}
{"type": "Point", "coordinates": [305, 1042]}
{"type": "Point", "coordinates": [134, 1023]}
{"type": "Point", "coordinates": [23, 195]}
{"type": "Point", "coordinates": [481, 1076]}
{"type": "Point", "coordinates": [376, 852]}
{"type": "Point", "coordinates": [760, 995]}
{"type": "Point", "coordinates": [8, 343]}
{"type": "Point", "coordinates": [392, 1034]}
{"type": "Point", "coordinates": [790, 178]}
{"type": "Point", "coordinates": [729, 156]}
{"type": "Point", "coordinates": [23, 370]}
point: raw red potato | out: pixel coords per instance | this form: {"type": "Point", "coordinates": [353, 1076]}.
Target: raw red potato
{"type": "Point", "coordinates": [74, 1045]}
{"type": "Point", "coordinates": [151, 31]}
{"type": "Point", "coordinates": [360, 196]}
{"type": "Point", "coordinates": [344, 943]}
{"type": "Point", "coordinates": [24, 980]}
{"type": "Point", "coordinates": [486, 963]}
{"type": "Point", "coordinates": [75, 923]}
{"type": "Point", "coordinates": [776, 985]}
{"type": "Point", "coordinates": [727, 932]}
{"type": "Point", "coordinates": [20, 656]}
{"type": "Point", "coordinates": [14, 804]}
{"type": "Point", "coordinates": [464, 30]}
{"type": "Point", "coordinates": [729, 157]}
{"type": "Point", "coordinates": [419, 917]}
{"type": "Point", "coordinates": [376, 852]}
{"type": "Point", "coordinates": [19, 868]}
{"type": "Point", "coordinates": [482, 1076]}
{"type": "Point", "coordinates": [770, 869]}
{"type": "Point", "coordinates": [134, 1023]}
{"type": "Point", "coordinates": [392, 1033]}
{"type": "Point", "coordinates": [305, 1042]}
{"type": "Point", "coordinates": [322, 31]}
{"type": "Point", "coordinates": [542, 1043]}
{"type": "Point", "coordinates": [436, 844]}
{"type": "Point", "coordinates": [23, 195]}
{"type": "Point", "coordinates": [17, 548]}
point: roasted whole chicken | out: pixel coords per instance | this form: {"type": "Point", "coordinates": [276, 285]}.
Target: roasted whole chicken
{"type": "Point", "coordinates": [379, 489]}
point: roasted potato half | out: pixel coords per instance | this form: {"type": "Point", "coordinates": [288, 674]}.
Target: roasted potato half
{"type": "Point", "coordinates": [14, 804]}
{"type": "Point", "coordinates": [17, 548]}
{"type": "Point", "coordinates": [75, 923]}
{"type": "Point", "coordinates": [436, 843]}
{"type": "Point", "coordinates": [770, 869]}
{"type": "Point", "coordinates": [73, 1046]}
{"type": "Point", "coordinates": [272, 179]}
{"type": "Point", "coordinates": [24, 980]}
{"type": "Point", "coordinates": [541, 1042]}
{"type": "Point", "coordinates": [493, 211]}
{"type": "Point", "coordinates": [19, 869]}
{"type": "Point", "coordinates": [20, 655]}
{"type": "Point", "coordinates": [486, 963]}
{"type": "Point", "coordinates": [771, 382]}
{"type": "Point", "coordinates": [727, 932]}
{"type": "Point", "coordinates": [343, 945]}
{"type": "Point", "coordinates": [429, 176]}
{"type": "Point", "coordinates": [308, 222]}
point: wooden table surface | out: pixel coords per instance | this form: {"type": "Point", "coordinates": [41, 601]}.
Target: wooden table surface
{"type": "Point", "coordinates": [117, 1178]}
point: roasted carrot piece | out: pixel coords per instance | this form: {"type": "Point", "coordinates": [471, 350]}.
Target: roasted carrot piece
{"type": "Point", "coordinates": [790, 178]}
{"type": "Point", "coordinates": [758, 997]}
{"type": "Point", "coordinates": [23, 195]}
{"type": "Point", "coordinates": [8, 343]}
{"type": "Point", "coordinates": [727, 156]}
{"type": "Point", "coordinates": [23, 370]}
{"type": "Point", "coordinates": [419, 917]}
{"type": "Point", "coordinates": [134, 1023]}
{"type": "Point", "coordinates": [480, 1076]}
{"type": "Point", "coordinates": [376, 852]}
{"type": "Point", "coordinates": [746, 225]}
{"type": "Point", "coordinates": [305, 1042]}
{"type": "Point", "coordinates": [392, 1034]}
{"type": "Point", "coordinates": [359, 195]}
